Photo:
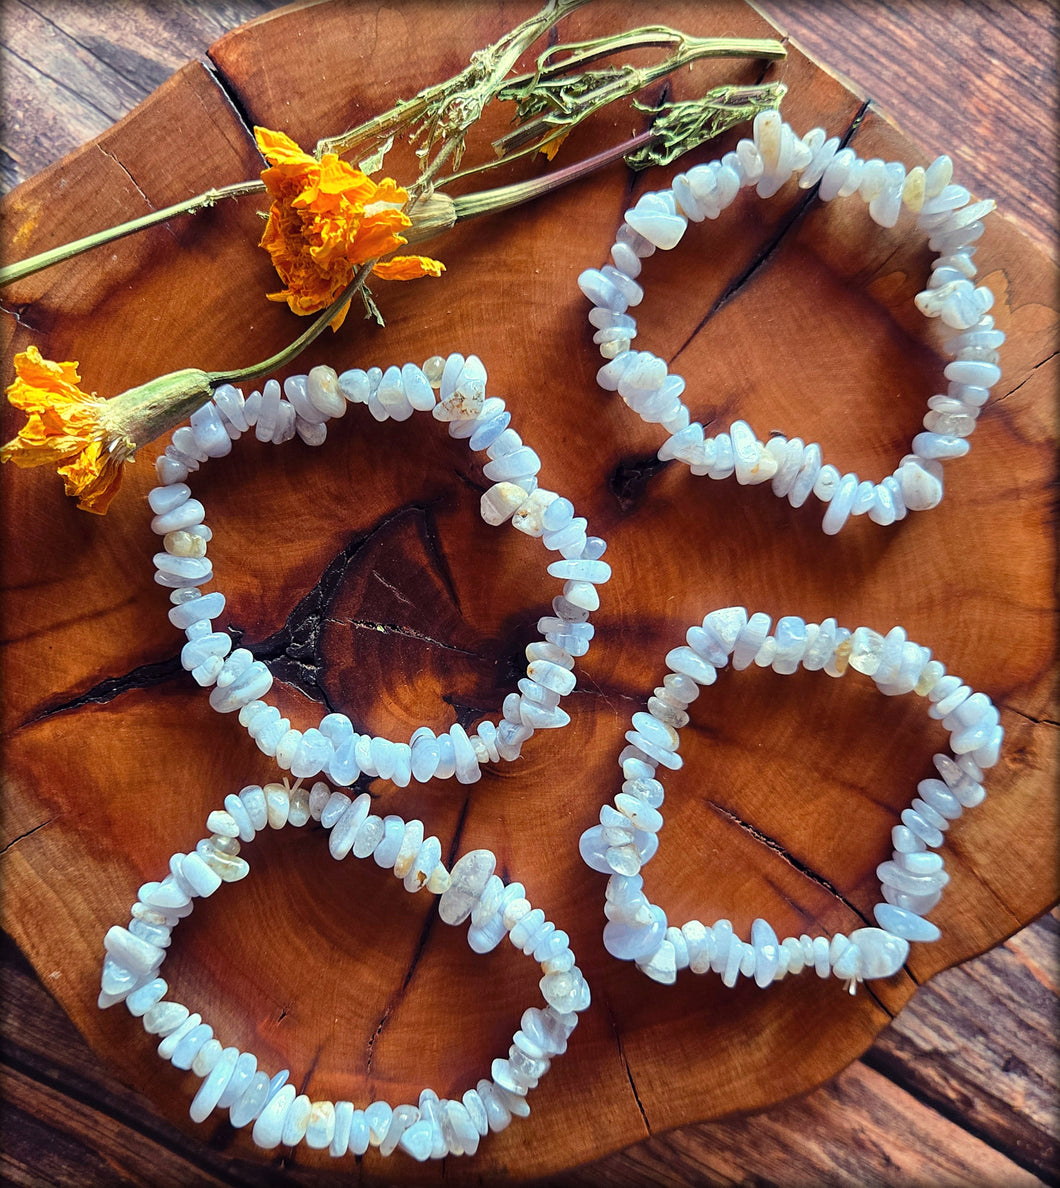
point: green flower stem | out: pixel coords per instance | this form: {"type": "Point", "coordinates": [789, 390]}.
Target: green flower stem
{"type": "Point", "coordinates": [468, 206]}
{"type": "Point", "coordinates": [449, 108]}
{"type": "Point", "coordinates": [24, 268]}
{"type": "Point", "coordinates": [295, 348]}
{"type": "Point", "coordinates": [582, 53]}
{"type": "Point", "coordinates": [560, 103]}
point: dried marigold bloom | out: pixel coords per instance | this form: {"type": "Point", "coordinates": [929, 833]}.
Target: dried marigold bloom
{"type": "Point", "coordinates": [86, 437]}
{"type": "Point", "coordinates": [326, 220]}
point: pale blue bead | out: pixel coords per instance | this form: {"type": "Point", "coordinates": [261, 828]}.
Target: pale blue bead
{"type": "Point", "coordinates": [391, 395]}
{"type": "Point", "coordinates": [418, 390]}
{"type": "Point", "coordinates": [593, 849]}
{"type": "Point", "coordinates": [628, 287]}
{"type": "Point", "coordinates": [229, 402]}
{"type": "Point", "coordinates": [342, 1134]}
{"type": "Point", "coordinates": [750, 638]}
{"type": "Point", "coordinates": [186, 514]}
{"type": "Point", "coordinates": [240, 1081]}
{"type": "Point", "coordinates": [602, 292]}
{"type": "Point", "coordinates": [487, 432]}
{"type": "Point", "coordinates": [790, 635]}
{"type": "Point", "coordinates": [143, 998]}
{"type": "Point", "coordinates": [916, 824]}
{"type": "Point", "coordinates": [268, 1128]}
{"type": "Point", "coordinates": [904, 923]}
{"type": "Point", "coordinates": [663, 230]}
{"type": "Point", "coordinates": [726, 185]}
{"type": "Point", "coordinates": [165, 499]}
{"type": "Point", "coordinates": [835, 174]}
{"type": "Point", "coordinates": [580, 571]}
{"type": "Point", "coordinates": [343, 767]}
{"type": "Point", "coordinates": [686, 199]}
{"type": "Point", "coordinates": [894, 488]}
{"type": "Point", "coordinates": [744, 450]}
{"type": "Point", "coordinates": [210, 434]}
{"type": "Point", "coordinates": [189, 1046]}
{"type": "Point", "coordinates": [353, 384]}
{"type": "Point", "coordinates": [809, 469]}
{"type": "Point", "coordinates": [929, 816]}
{"type": "Point", "coordinates": [939, 445]}
{"type": "Point", "coordinates": [248, 1106]}
{"type": "Point", "coordinates": [196, 651]}
{"type": "Point", "coordinates": [628, 943]}
{"type": "Point", "coordinates": [561, 538]}
{"type": "Point", "coordinates": [820, 161]}
{"type": "Point", "coordinates": [941, 799]}
{"type": "Point", "coordinates": [841, 504]}
{"type": "Point", "coordinates": [882, 510]}
{"type": "Point", "coordinates": [766, 946]}
{"type": "Point", "coordinates": [454, 365]}
{"type": "Point", "coordinates": [207, 606]}
{"type": "Point", "coordinates": [520, 463]}
{"type": "Point", "coordinates": [685, 661]}
{"type": "Point", "coordinates": [362, 750]}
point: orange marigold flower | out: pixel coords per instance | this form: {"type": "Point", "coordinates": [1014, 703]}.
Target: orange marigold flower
{"type": "Point", "coordinates": [326, 219]}
{"type": "Point", "coordinates": [64, 427]}
{"type": "Point", "coordinates": [87, 437]}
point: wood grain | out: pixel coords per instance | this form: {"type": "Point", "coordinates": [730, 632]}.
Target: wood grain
{"type": "Point", "coordinates": [135, 716]}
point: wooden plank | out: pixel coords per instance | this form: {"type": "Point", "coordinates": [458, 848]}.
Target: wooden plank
{"type": "Point", "coordinates": [979, 1047]}
{"type": "Point", "coordinates": [70, 71]}
{"type": "Point", "coordinates": [952, 1123]}
{"type": "Point", "coordinates": [860, 1129]}
{"type": "Point", "coordinates": [976, 81]}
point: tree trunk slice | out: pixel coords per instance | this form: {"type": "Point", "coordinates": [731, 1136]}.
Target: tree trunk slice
{"type": "Point", "coordinates": [799, 321]}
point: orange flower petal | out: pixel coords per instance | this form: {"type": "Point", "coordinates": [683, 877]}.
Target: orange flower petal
{"type": "Point", "coordinates": [63, 427]}
{"type": "Point", "coordinates": [326, 218]}
{"type": "Point", "coordinates": [93, 479]}
{"type": "Point", "coordinates": [408, 268]}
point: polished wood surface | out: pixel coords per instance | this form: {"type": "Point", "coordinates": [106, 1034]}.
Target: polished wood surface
{"type": "Point", "coordinates": [932, 1132]}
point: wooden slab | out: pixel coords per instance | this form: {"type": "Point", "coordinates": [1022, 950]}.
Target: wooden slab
{"type": "Point", "coordinates": [114, 758]}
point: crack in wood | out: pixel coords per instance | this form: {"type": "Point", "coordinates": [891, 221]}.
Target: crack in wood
{"type": "Point", "coordinates": [997, 399]}
{"type": "Point", "coordinates": [628, 482]}
{"type": "Point", "coordinates": [1026, 717]}
{"type": "Point", "coordinates": [648, 1132]}
{"type": "Point", "coordinates": [22, 836]}
{"type": "Point", "coordinates": [144, 676]}
{"type": "Point", "coordinates": [17, 313]}
{"type": "Point", "coordinates": [136, 185]}
{"type": "Point", "coordinates": [772, 844]}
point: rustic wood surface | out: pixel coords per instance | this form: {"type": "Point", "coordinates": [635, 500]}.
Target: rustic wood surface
{"type": "Point", "coordinates": [943, 1094]}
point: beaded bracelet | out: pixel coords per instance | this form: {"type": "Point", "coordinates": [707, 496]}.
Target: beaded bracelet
{"type": "Point", "coordinates": [453, 390]}
{"type": "Point", "coordinates": [231, 1078]}
{"type": "Point", "coordinates": [628, 834]}
{"type": "Point", "coordinates": [659, 220]}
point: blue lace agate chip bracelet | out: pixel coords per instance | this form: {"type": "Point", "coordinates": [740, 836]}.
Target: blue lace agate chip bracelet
{"type": "Point", "coordinates": [231, 1077]}
{"type": "Point", "coordinates": [627, 836]}
{"type": "Point", "coordinates": [453, 390]}
{"type": "Point", "coordinates": [794, 469]}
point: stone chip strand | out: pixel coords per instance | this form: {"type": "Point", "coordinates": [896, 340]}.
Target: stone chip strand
{"type": "Point", "coordinates": [453, 391]}
{"type": "Point", "coordinates": [911, 881]}
{"type": "Point", "coordinates": [231, 1078]}
{"type": "Point", "coordinates": [795, 470]}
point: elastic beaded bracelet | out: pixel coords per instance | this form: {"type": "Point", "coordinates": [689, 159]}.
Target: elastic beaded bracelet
{"type": "Point", "coordinates": [240, 683]}
{"type": "Point", "coordinates": [794, 469]}
{"type": "Point", "coordinates": [911, 881]}
{"type": "Point", "coordinates": [232, 1080]}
